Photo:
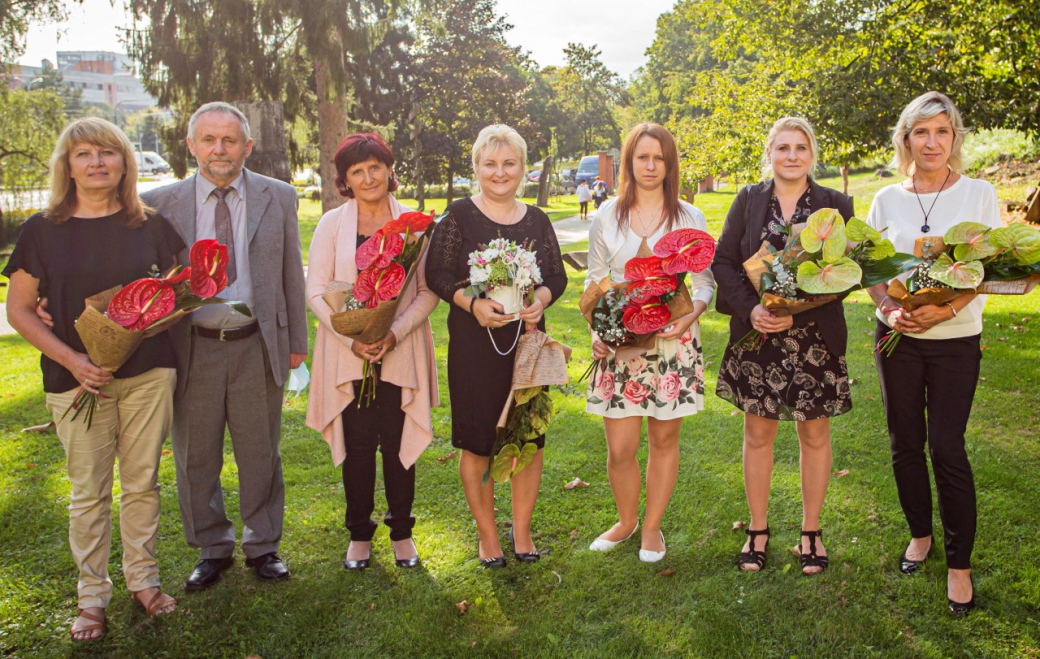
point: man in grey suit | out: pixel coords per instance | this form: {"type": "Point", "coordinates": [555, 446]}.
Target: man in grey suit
{"type": "Point", "coordinates": [231, 367]}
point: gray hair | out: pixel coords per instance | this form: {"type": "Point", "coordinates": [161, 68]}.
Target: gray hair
{"type": "Point", "coordinates": [923, 108]}
{"type": "Point", "coordinates": [786, 124]}
{"type": "Point", "coordinates": [494, 136]}
{"type": "Point", "coordinates": [219, 106]}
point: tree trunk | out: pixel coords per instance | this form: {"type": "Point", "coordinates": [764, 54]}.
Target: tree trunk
{"type": "Point", "coordinates": [845, 178]}
{"type": "Point", "coordinates": [420, 188]}
{"type": "Point", "coordinates": [451, 185]}
{"type": "Point", "coordinates": [332, 128]}
{"type": "Point", "coordinates": [545, 182]}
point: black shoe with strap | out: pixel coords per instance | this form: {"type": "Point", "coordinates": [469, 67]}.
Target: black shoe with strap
{"type": "Point", "coordinates": [961, 609]}
{"type": "Point", "coordinates": [523, 556]}
{"type": "Point", "coordinates": [753, 556]}
{"type": "Point", "coordinates": [909, 566]}
{"type": "Point", "coordinates": [812, 559]}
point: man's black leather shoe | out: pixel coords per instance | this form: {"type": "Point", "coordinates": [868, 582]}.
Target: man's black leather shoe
{"type": "Point", "coordinates": [268, 567]}
{"type": "Point", "coordinates": [207, 572]}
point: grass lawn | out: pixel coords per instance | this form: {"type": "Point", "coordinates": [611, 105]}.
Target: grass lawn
{"type": "Point", "coordinates": [574, 602]}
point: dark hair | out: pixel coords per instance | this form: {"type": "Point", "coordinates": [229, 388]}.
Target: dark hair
{"type": "Point", "coordinates": [359, 147]}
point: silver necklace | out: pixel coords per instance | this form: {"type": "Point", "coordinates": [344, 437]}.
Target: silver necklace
{"type": "Point", "coordinates": [642, 222]}
{"type": "Point", "coordinates": [925, 228]}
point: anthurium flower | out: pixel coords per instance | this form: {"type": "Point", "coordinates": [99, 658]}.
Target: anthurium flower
{"type": "Point", "coordinates": [646, 316]}
{"type": "Point", "coordinates": [179, 275]}
{"type": "Point", "coordinates": [378, 251]}
{"type": "Point", "coordinates": [972, 241]}
{"type": "Point", "coordinates": [209, 261]}
{"type": "Point", "coordinates": [375, 285]}
{"type": "Point", "coordinates": [413, 222]}
{"type": "Point", "coordinates": [825, 229]}
{"type": "Point", "coordinates": [685, 250]}
{"type": "Point", "coordinates": [139, 304]}
{"type": "Point", "coordinates": [646, 277]}
{"type": "Point", "coordinates": [956, 274]}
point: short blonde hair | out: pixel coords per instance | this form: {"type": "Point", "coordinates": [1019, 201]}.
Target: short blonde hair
{"type": "Point", "coordinates": [494, 136]}
{"type": "Point", "coordinates": [785, 124]}
{"type": "Point", "coordinates": [100, 133]}
{"type": "Point", "coordinates": [923, 108]}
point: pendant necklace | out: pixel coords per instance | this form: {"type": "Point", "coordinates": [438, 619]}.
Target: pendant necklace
{"type": "Point", "coordinates": [925, 228]}
{"type": "Point", "coordinates": [645, 246]}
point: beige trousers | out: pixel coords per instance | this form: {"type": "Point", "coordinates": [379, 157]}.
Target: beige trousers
{"type": "Point", "coordinates": [130, 424]}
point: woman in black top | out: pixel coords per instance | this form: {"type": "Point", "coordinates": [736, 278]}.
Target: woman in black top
{"type": "Point", "coordinates": [479, 375]}
{"type": "Point", "coordinates": [97, 234]}
{"type": "Point", "coordinates": [799, 374]}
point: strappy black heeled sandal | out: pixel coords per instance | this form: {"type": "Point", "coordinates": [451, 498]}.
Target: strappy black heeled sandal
{"type": "Point", "coordinates": [753, 556]}
{"type": "Point", "coordinates": [812, 559]}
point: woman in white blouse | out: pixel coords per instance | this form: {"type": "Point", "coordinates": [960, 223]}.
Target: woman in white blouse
{"type": "Point", "coordinates": [666, 383]}
{"type": "Point", "coordinates": [929, 380]}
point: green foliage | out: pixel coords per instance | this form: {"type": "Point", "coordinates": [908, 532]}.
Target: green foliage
{"type": "Point", "coordinates": [833, 277]}
{"type": "Point", "coordinates": [30, 123]}
{"type": "Point", "coordinates": [17, 16]}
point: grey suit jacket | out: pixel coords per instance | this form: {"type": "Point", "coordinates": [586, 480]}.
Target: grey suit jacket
{"type": "Point", "coordinates": [275, 263]}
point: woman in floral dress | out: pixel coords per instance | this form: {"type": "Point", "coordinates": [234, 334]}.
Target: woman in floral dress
{"type": "Point", "coordinates": [666, 382]}
{"type": "Point", "coordinates": [799, 373]}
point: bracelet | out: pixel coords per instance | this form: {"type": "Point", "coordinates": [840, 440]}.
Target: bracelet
{"type": "Point", "coordinates": [950, 305]}
{"type": "Point", "coordinates": [881, 306]}
{"type": "Point", "coordinates": [472, 301]}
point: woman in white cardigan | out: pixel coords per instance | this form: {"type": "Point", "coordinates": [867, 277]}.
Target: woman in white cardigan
{"type": "Point", "coordinates": [666, 383]}
{"type": "Point", "coordinates": [397, 422]}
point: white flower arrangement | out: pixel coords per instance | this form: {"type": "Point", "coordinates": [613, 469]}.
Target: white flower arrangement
{"type": "Point", "coordinates": [503, 263]}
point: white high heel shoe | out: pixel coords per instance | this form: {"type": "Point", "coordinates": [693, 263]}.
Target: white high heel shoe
{"type": "Point", "coordinates": [600, 544]}
{"type": "Point", "coordinates": [648, 556]}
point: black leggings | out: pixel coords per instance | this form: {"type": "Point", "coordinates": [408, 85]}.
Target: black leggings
{"type": "Point", "coordinates": [584, 208]}
{"type": "Point", "coordinates": [928, 386]}
{"type": "Point", "coordinates": [365, 429]}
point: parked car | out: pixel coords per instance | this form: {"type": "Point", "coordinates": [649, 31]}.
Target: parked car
{"type": "Point", "coordinates": [150, 162]}
{"type": "Point", "coordinates": [588, 170]}
{"type": "Point", "coordinates": [532, 176]}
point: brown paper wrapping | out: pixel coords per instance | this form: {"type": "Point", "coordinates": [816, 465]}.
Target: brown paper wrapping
{"type": "Point", "coordinates": [759, 262]}
{"type": "Point", "coordinates": [1010, 287]}
{"type": "Point", "coordinates": [910, 301]}
{"type": "Point", "coordinates": [109, 344]}
{"type": "Point", "coordinates": [540, 361]}
{"type": "Point", "coordinates": [931, 245]}
{"type": "Point", "coordinates": [366, 325]}
{"type": "Point", "coordinates": [781, 306]}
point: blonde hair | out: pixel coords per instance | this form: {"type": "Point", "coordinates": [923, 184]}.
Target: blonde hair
{"type": "Point", "coordinates": [786, 124]}
{"type": "Point", "coordinates": [100, 133]}
{"type": "Point", "coordinates": [494, 136]}
{"type": "Point", "coordinates": [923, 108]}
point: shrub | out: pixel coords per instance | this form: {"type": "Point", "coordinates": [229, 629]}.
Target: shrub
{"type": "Point", "coordinates": [10, 224]}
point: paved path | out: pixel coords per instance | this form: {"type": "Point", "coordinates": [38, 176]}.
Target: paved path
{"type": "Point", "coordinates": [5, 328]}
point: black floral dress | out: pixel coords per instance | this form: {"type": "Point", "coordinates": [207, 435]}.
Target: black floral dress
{"type": "Point", "coordinates": [793, 377]}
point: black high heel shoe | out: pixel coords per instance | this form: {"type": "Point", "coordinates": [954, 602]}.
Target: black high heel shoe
{"type": "Point", "coordinates": [523, 557]}
{"type": "Point", "coordinates": [358, 566]}
{"type": "Point", "coordinates": [812, 559]}
{"type": "Point", "coordinates": [909, 566]}
{"type": "Point", "coordinates": [490, 563]}
{"type": "Point", "coordinates": [753, 556]}
{"type": "Point", "coordinates": [959, 609]}
{"type": "Point", "coordinates": [406, 563]}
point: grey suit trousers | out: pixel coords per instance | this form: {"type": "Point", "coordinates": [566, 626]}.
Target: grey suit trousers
{"type": "Point", "coordinates": [229, 384]}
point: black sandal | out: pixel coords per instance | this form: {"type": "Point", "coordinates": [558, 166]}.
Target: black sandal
{"type": "Point", "coordinates": [753, 556]}
{"type": "Point", "coordinates": [812, 559]}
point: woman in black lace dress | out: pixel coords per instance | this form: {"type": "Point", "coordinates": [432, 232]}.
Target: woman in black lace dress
{"type": "Point", "coordinates": [799, 374]}
{"type": "Point", "coordinates": [479, 374]}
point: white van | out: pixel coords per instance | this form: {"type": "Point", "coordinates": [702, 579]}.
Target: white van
{"type": "Point", "coordinates": [150, 162]}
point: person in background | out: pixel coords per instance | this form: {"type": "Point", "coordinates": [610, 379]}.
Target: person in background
{"type": "Point", "coordinates": [584, 197]}
{"type": "Point", "coordinates": [599, 192]}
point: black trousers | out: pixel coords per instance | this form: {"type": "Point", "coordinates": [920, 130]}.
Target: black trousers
{"type": "Point", "coordinates": [377, 426]}
{"type": "Point", "coordinates": [928, 387]}
{"type": "Point", "coordinates": [583, 208]}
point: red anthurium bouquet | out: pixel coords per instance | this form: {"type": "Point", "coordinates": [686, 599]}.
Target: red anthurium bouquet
{"type": "Point", "coordinates": [115, 322]}
{"type": "Point", "coordinates": [630, 313]}
{"type": "Point", "coordinates": [386, 262]}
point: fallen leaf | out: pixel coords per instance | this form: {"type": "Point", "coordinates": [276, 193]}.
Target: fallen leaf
{"type": "Point", "coordinates": [30, 465]}
{"type": "Point", "coordinates": [666, 573]}
{"type": "Point", "coordinates": [870, 398]}
{"type": "Point", "coordinates": [473, 644]}
{"type": "Point", "coordinates": [853, 381]}
{"type": "Point", "coordinates": [735, 413]}
{"type": "Point", "coordinates": [739, 524]}
{"type": "Point", "coordinates": [44, 427]}
{"type": "Point", "coordinates": [167, 452]}
{"type": "Point", "coordinates": [253, 656]}
{"type": "Point", "coordinates": [372, 606]}
{"type": "Point", "coordinates": [1002, 338]}
{"type": "Point", "coordinates": [574, 534]}
{"type": "Point", "coordinates": [462, 606]}
{"type": "Point", "coordinates": [843, 472]}
{"type": "Point", "coordinates": [577, 482]}
{"type": "Point", "coordinates": [450, 456]}
{"type": "Point", "coordinates": [797, 551]}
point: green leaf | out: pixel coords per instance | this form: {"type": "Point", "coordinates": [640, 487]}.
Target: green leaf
{"type": "Point", "coordinates": [888, 268]}
{"type": "Point", "coordinates": [971, 241]}
{"type": "Point", "coordinates": [527, 454]}
{"type": "Point", "coordinates": [856, 230]}
{"type": "Point", "coordinates": [1020, 243]}
{"type": "Point", "coordinates": [956, 274]}
{"type": "Point", "coordinates": [825, 230]}
{"type": "Point", "coordinates": [504, 466]}
{"type": "Point", "coordinates": [835, 277]}
{"type": "Point", "coordinates": [524, 395]}
{"type": "Point", "coordinates": [882, 249]}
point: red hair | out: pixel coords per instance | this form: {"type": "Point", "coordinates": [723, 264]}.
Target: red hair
{"type": "Point", "coordinates": [359, 147]}
{"type": "Point", "coordinates": [626, 196]}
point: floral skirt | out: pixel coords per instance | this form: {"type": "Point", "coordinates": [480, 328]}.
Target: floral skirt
{"type": "Point", "coordinates": [792, 378]}
{"type": "Point", "coordinates": [665, 383]}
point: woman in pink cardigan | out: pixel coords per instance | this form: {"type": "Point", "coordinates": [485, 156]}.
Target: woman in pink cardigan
{"type": "Point", "coordinates": [397, 422]}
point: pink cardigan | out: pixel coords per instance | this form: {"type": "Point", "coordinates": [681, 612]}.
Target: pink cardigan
{"type": "Point", "coordinates": [335, 369]}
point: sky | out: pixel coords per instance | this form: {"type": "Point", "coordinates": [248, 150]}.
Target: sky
{"type": "Point", "coordinates": [622, 29]}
